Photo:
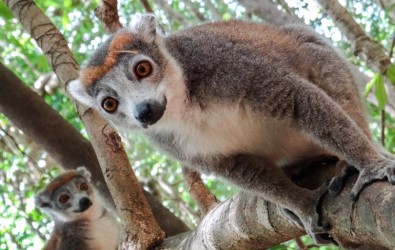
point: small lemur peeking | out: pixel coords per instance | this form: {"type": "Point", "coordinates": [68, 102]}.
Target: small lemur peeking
{"type": "Point", "coordinates": [82, 221]}
{"type": "Point", "coordinates": [240, 100]}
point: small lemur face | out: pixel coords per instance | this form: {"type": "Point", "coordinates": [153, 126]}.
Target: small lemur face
{"type": "Point", "coordinates": [124, 79]}
{"type": "Point", "coordinates": [68, 197]}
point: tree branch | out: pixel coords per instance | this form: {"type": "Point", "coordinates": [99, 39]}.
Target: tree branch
{"type": "Point", "coordinates": [249, 222]}
{"type": "Point", "coordinates": [199, 192]}
{"type": "Point", "coordinates": [364, 46]}
{"type": "Point", "coordinates": [146, 6]}
{"type": "Point", "coordinates": [107, 13]}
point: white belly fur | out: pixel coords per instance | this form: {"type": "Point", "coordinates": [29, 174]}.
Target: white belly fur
{"type": "Point", "coordinates": [230, 129]}
{"type": "Point", "coordinates": [105, 234]}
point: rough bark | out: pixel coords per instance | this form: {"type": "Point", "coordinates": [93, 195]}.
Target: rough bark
{"type": "Point", "coordinates": [198, 191]}
{"type": "Point", "coordinates": [147, 6]}
{"type": "Point", "coordinates": [107, 13]}
{"type": "Point", "coordinates": [249, 222]}
{"type": "Point", "coordinates": [142, 231]}
{"type": "Point", "coordinates": [364, 46]}
{"type": "Point", "coordinates": [63, 142]}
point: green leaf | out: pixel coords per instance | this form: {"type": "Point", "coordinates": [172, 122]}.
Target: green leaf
{"type": "Point", "coordinates": [391, 73]}
{"type": "Point", "coordinates": [380, 92]}
{"type": "Point", "coordinates": [370, 85]}
{"type": "Point", "coordinates": [67, 3]}
{"type": "Point", "coordinates": [4, 11]}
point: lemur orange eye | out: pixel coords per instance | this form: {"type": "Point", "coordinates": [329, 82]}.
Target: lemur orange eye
{"type": "Point", "coordinates": [143, 69]}
{"type": "Point", "coordinates": [64, 198]}
{"type": "Point", "coordinates": [109, 104]}
{"type": "Point", "coordinates": [84, 186]}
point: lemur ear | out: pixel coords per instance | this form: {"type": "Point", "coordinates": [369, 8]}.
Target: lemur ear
{"type": "Point", "coordinates": [42, 201]}
{"type": "Point", "coordinates": [145, 25]}
{"type": "Point", "coordinates": [80, 93]}
{"type": "Point", "coordinates": [84, 172]}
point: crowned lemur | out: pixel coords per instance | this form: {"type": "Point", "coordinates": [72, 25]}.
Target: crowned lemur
{"type": "Point", "coordinates": [239, 100]}
{"type": "Point", "coordinates": [82, 221]}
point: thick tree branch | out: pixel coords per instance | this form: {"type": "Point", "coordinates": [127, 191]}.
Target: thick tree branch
{"type": "Point", "coordinates": [139, 223]}
{"type": "Point", "coordinates": [107, 13]}
{"type": "Point", "coordinates": [364, 46]}
{"type": "Point", "coordinates": [147, 6]}
{"type": "Point", "coordinates": [199, 192]}
{"type": "Point", "coordinates": [63, 142]}
{"type": "Point", "coordinates": [257, 224]}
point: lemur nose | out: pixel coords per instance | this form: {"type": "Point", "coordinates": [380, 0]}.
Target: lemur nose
{"type": "Point", "coordinates": [85, 203]}
{"type": "Point", "coordinates": [143, 112]}
{"type": "Point", "coordinates": [149, 112]}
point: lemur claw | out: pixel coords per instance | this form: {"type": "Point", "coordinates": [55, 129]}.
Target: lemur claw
{"type": "Point", "coordinates": [368, 175]}
{"type": "Point", "coordinates": [310, 220]}
{"type": "Point", "coordinates": [336, 185]}
{"type": "Point", "coordinates": [343, 171]}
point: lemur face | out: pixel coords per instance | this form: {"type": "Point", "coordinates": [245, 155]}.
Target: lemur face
{"type": "Point", "coordinates": [68, 197]}
{"type": "Point", "coordinates": [129, 95]}
{"type": "Point", "coordinates": [124, 79]}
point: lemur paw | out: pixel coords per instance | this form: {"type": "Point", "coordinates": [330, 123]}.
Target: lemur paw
{"type": "Point", "coordinates": [291, 216]}
{"type": "Point", "coordinates": [385, 168]}
{"type": "Point", "coordinates": [314, 225]}
{"type": "Point", "coordinates": [310, 219]}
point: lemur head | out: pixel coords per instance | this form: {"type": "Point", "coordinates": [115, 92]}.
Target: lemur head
{"type": "Point", "coordinates": [70, 196]}
{"type": "Point", "coordinates": [129, 79]}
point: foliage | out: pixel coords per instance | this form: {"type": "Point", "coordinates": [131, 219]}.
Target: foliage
{"type": "Point", "coordinates": [25, 168]}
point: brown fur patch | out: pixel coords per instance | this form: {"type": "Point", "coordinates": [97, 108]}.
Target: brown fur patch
{"type": "Point", "coordinates": [60, 181]}
{"type": "Point", "coordinates": [90, 75]}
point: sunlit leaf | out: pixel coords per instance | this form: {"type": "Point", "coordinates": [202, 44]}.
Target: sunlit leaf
{"type": "Point", "coordinates": [380, 91]}
{"type": "Point", "coordinates": [370, 85]}
{"type": "Point", "coordinates": [391, 73]}
{"type": "Point", "coordinates": [4, 11]}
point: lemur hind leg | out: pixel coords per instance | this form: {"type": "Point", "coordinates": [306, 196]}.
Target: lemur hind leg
{"type": "Point", "coordinates": [269, 182]}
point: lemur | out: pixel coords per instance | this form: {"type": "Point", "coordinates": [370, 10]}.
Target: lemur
{"type": "Point", "coordinates": [82, 221]}
{"type": "Point", "coordinates": [237, 99]}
